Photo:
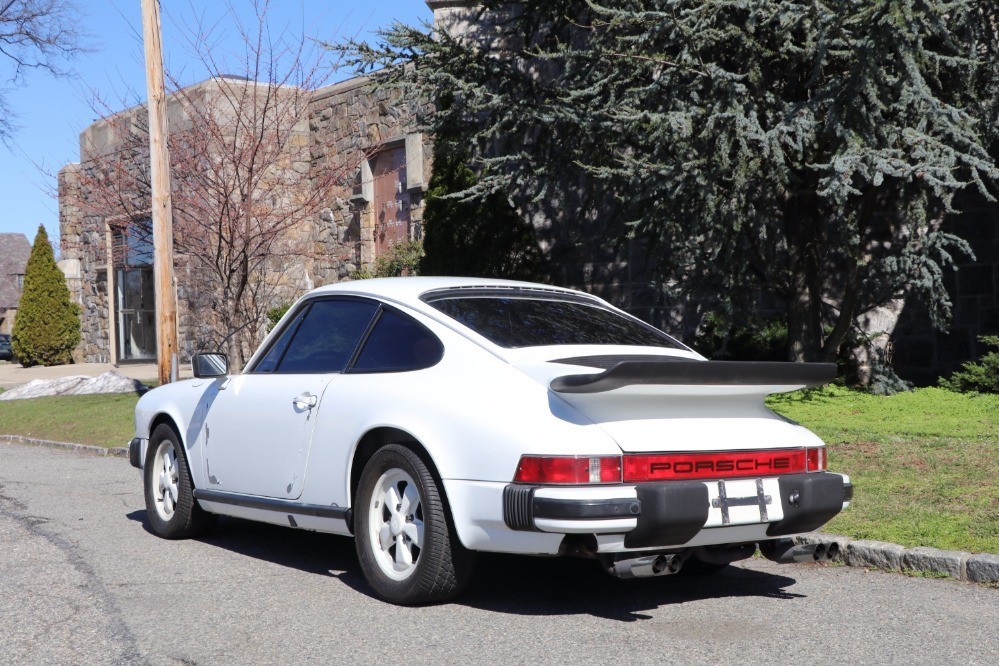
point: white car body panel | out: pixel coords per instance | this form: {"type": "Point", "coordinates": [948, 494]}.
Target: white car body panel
{"type": "Point", "coordinates": [476, 412]}
{"type": "Point", "coordinates": [258, 437]}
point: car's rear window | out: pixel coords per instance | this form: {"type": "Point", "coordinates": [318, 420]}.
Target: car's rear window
{"type": "Point", "coordinates": [513, 322]}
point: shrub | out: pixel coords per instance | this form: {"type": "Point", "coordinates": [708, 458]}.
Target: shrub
{"type": "Point", "coordinates": [400, 259]}
{"type": "Point", "coordinates": [982, 376]}
{"type": "Point", "coordinates": [274, 315]}
{"type": "Point", "coordinates": [47, 326]}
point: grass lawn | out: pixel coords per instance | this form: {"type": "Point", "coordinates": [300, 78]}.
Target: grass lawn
{"type": "Point", "coordinates": [100, 420]}
{"type": "Point", "coordinates": [925, 464]}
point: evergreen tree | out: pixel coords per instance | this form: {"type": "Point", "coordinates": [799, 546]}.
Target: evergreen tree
{"type": "Point", "coordinates": [47, 326]}
{"type": "Point", "coordinates": [795, 152]}
{"type": "Point", "coordinates": [474, 237]}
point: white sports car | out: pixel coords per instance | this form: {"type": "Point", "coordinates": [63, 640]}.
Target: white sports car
{"type": "Point", "coordinates": [431, 418]}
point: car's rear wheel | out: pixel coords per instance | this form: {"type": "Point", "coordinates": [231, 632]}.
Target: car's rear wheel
{"type": "Point", "coordinates": [170, 505]}
{"type": "Point", "coordinates": [406, 545]}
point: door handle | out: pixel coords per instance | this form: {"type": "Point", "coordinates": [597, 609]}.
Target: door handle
{"type": "Point", "coordinates": [306, 400]}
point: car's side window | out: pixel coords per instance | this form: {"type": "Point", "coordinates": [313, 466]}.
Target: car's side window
{"type": "Point", "coordinates": [327, 337]}
{"type": "Point", "coordinates": [274, 354]}
{"type": "Point", "coordinates": [398, 343]}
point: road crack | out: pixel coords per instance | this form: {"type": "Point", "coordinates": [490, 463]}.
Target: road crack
{"type": "Point", "coordinates": [118, 631]}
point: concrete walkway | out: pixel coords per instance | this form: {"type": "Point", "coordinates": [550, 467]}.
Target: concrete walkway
{"type": "Point", "coordinates": [12, 374]}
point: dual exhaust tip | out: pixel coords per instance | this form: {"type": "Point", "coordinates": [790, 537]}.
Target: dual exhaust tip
{"type": "Point", "coordinates": [785, 551]}
{"type": "Point", "coordinates": [645, 567]}
{"type": "Point", "coordinates": [782, 551]}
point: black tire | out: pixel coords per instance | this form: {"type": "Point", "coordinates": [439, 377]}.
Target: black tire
{"type": "Point", "coordinates": [440, 566]}
{"type": "Point", "coordinates": [171, 517]}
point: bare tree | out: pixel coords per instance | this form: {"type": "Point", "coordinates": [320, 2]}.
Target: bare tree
{"type": "Point", "coordinates": [34, 34]}
{"type": "Point", "coordinates": [246, 193]}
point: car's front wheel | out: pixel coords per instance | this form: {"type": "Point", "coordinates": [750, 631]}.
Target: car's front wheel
{"type": "Point", "coordinates": [408, 550]}
{"type": "Point", "coordinates": [170, 505]}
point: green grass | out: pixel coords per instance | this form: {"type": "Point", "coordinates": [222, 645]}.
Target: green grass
{"type": "Point", "coordinates": [924, 464]}
{"type": "Point", "coordinates": [100, 420]}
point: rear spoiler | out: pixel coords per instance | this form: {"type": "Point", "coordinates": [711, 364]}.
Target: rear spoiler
{"type": "Point", "coordinates": [711, 373]}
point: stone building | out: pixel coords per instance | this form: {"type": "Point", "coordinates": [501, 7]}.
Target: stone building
{"type": "Point", "coordinates": [14, 252]}
{"type": "Point", "coordinates": [365, 137]}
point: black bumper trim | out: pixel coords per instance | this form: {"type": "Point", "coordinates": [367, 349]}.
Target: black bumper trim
{"type": "Point", "coordinates": [134, 452]}
{"type": "Point", "coordinates": [809, 501]}
{"type": "Point", "coordinates": [672, 513]}
{"type": "Point", "coordinates": [565, 509]}
{"type": "Point", "coordinates": [521, 507]}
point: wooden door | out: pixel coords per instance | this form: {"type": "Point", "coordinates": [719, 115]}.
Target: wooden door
{"type": "Point", "coordinates": [391, 199]}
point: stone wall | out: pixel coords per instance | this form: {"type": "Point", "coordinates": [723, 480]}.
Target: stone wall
{"type": "Point", "coordinates": [349, 124]}
{"type": "Point", "coordinates": [346, 125]}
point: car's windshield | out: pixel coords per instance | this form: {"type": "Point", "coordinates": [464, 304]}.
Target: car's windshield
{"type": "Point", "coordinates": [512, 322]}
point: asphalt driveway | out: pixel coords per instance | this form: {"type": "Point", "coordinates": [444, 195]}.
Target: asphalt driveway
{"type": "Point", "coordinates": [82, 580]}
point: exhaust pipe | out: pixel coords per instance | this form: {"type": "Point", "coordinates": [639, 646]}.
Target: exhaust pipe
{"type": "Point", "coordinates": [645, 567]}
{"type": "Point", "coordinates": [785, 551]}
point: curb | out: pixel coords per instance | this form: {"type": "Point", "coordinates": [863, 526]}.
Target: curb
{"type": "Point", "coordinates": [111, 452]}
{"type": "Point", "coordinates": [975, 568]}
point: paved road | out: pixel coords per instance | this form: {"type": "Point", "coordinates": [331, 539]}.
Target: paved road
{"type": "Point", "coordinates": [83, 581]}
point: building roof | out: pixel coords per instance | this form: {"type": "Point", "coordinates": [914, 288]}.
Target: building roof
{"type": "Point", "coordinates": [14, 252]}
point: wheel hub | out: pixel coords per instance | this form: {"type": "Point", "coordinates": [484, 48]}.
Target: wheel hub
{"type": "Point", "coordinates": [396, 524]}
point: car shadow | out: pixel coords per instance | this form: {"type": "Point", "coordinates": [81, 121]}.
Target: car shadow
{"type": "Point", "coordinates": [566, 586]}
{"type": "Point", "coordinates": [509, 584]}
{"type": "Point", "coordinates": [312, 552]}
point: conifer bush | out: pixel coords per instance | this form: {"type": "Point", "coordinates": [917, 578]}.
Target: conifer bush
{"type": "Point", "coordinates": [47, 327]}
{"type": "Point", "coordinates": [982, 376]}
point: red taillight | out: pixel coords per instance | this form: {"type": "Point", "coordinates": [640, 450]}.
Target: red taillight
{"type": "Point", "coordinates": [724, 465]}
{"type": "Point", "coordinates": [568, 469]}
{"type": "Point", "coordinates": [815, 459]}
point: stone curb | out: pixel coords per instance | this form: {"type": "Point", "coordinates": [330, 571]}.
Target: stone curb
{"type": "Point", "coordinates": [976, 568]}
{"type": "Point", "coordinates": [113, 451]}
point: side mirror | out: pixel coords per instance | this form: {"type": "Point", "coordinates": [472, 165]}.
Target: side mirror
{"type": "Point", "coordinates": [208, 365]}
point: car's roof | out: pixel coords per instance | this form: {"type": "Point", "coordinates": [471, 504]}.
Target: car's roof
{"type": "Point", "coordinates": [409, 289]}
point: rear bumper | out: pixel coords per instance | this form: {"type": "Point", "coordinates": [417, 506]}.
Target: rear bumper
{"type": "Point", "coordinates": [673, 513]}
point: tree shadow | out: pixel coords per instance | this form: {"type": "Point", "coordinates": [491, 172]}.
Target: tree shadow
{"type": "Point", "coordinates": [509, 584]}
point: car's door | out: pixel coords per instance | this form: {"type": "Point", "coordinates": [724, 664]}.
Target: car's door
{"type": "Point", "coordinates": [259, 429]}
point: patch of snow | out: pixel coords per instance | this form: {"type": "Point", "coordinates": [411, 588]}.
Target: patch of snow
{"type": "Point", "coordinates": [109, 382]}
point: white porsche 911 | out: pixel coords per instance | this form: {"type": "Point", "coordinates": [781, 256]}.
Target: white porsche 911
{"type": "Point", "coordinates": [431, 418]}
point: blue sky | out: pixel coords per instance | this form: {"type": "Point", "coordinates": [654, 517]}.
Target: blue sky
{"type": "Point", "coordinates": [53, 111]}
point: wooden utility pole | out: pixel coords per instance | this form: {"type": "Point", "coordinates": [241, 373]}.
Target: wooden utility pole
{"type": "Point", "coordinates": [162, 208]}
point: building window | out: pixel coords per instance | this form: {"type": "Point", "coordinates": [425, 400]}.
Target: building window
{"type": "Point", "coordinates": [135, 300]}
{"type": "Point", "coordinates": [20, 281]}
